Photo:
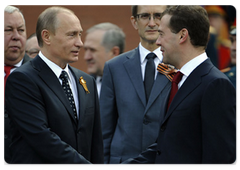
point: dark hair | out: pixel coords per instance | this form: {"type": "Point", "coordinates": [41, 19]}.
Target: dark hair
{"type": "Point", "coordinates": [134, 8]}
{"type": "Point", "coordinates": [193, 18]}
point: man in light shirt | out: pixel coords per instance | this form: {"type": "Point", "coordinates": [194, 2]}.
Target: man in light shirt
{"type": "Point", "coordinates": [129, 104]}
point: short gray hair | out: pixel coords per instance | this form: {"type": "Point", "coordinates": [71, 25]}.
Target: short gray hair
{"type": "Point", "coordinates": [11, 9]}
{"type": "Point", "coordinates": [114, 36]}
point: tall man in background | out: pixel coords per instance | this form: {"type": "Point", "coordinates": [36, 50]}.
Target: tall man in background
{"type": "Point", "coordinates": [103, 42]}
{"type": "Point", "coordinates": [14, 57]}
{"type": "Point", "coordinates": [53, 107]}
{"type": "Point", "coordinates": [129, 101]}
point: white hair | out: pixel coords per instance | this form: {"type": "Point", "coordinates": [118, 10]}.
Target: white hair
{"type": "Point", "coordinates": [10, 9]}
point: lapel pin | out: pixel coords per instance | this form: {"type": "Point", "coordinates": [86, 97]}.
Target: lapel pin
{"type": "Point", "coordinates": [84, 84]}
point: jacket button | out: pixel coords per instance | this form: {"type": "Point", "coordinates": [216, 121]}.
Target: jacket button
{"type": "Point", "coordinates": [145, 121]}
{"type": "Point", "coordinates": [163, 128]}
{"type": "Point", "coordinates": [158, 152]}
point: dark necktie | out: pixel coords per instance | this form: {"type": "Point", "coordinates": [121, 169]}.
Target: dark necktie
{"type": "Point", "coordinates": [176, 79]}
{"type": "Point", "coordinates": [167, 70]}
{"type": "Point", "coordinates": [149, 74]}
{"type": "Point", "coordinates": [7, 70]}
{"type": "Point", "coordinates": [68, 91]}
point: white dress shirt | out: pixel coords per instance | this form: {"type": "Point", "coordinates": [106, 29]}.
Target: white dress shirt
{"type": "Point", "coordinates": [57, 71]}
{"type": "Point", "coordinates": [99, 85]}
{"type": "Point", "coordinates": [143, 54]}
{"type": "Point", "coordinates": [190, 66]}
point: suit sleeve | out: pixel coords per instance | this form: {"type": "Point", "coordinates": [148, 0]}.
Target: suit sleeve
{"type": "Point", "coordinates": [108, 111]}
{"type": "Point", "coordinates": [97, 143]}
{"type": "Point", "coordinates": [219, 122]}
{"type": "Point", "coordinates": [27, 112]}
{"type": "Point", "coordinates": [146, 157]}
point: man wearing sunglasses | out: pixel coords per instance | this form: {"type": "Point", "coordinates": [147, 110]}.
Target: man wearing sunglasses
{"type": "Point", "coordinates": [132, 90]}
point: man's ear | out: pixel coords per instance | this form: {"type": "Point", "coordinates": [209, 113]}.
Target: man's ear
{"type": "Point", "coordinates": [183, 35]}
{"type": "Point", "coordinates": [134, 22]}
{"type": "Point", "coordinates": [46, 36]}
{"type": "Point", "coordinates": [116, 51]}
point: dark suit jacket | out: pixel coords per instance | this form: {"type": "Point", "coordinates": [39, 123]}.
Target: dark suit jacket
{"type": "Point", "coordinates": [200, 125]}
{"type": "Point", "coordinates": [129, 123]}
{"type": "Point", "coordinates": [44, 128]}
{"type": "Point", "coordinates": [7, 130]}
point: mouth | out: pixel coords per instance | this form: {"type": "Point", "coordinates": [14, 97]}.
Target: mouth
{"type": "Point", "coordinates": [151, 31]}
{"type": "Point", "coordinates": [75, 53]}
{"type": "Point", "coordinates": [14, 48]}
{"type": "Point", "coordinates": [90, 63]}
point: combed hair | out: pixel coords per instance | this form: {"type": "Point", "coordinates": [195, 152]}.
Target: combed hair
{"type": "Point", "coordinates": [48, 20]}
{"type": "Point", "coordinates": [192, 17]}
{"type": "Point", "coordinates": [10, 9]}
{"type": "Point", "coordinates": [134, 8]}
{"type": "Point", "coordinates": [114, 36]}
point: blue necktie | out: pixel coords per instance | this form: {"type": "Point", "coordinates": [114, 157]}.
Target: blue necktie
{"type": "Point", "coordinates": [149, 74]}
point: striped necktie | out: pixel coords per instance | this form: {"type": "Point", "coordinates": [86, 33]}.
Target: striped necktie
{"type": "Point", "coordinates": [167, 70]}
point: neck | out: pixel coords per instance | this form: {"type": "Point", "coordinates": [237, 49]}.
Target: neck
{"type": "Point", "coordinates": [151, 46]}
{"type": "Point", "coordinates": [189, 55]}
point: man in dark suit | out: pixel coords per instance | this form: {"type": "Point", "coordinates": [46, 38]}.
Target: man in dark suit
{"type": "Point", "coordinates": [14, 57]}
{"type": "Point", "coordinates": [130, 115]}
{"type": "Point", "coordinates": [53, 107]}
{"type": "Point", "coordinates": [200, 123]}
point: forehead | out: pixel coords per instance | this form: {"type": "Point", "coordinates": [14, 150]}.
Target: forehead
{"type": "Point", "coordinates": [67, 20]}
{"type": "Point", "coordinates": [14, 19]}
{"type": "Point", "coordinates": [95, 35]}
{"type": "Point", "coordinates": [94, 38]}
{"type": "Point", "coordinates": [165, 22]}
{"type": "Point", "coordinates": [151, 8]}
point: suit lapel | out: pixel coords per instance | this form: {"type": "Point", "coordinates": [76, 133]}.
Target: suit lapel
{"type": "Point", "coordinates": [81, 94]}
{"type": "Point", "coordinates": [50, 79]}
{"type": "Point", "coordinates": [191, 83]}
{"type": "Point", "coordinates": [133, 69]}
{"type": "Point", "coordinates": [160, 83]}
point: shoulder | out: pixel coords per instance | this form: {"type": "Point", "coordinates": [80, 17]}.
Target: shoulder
{"type": "Point", "coordinates": [79, 73]}
{"type": "Point", "coordinates": [26, 58]}
{"type": "Point", "coordinates": [123, 57]}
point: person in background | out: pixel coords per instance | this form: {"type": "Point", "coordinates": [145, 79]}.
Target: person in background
{"type": "Point", "coordinates": [231, 71]}
{"type": "Point", "coordinates": [53, 107]}
{"type": "Point", "coordinates": [14, 57]}
{"type": "Point", "coordinates": [218, 15]}
{"type": "Point", "coordinates": [103, 42]}
{"type": "Point", "coordinates": [32, 47]}
{"type": "Point", "coordinates": [199, 125]}
{"type": "Point", "coordinates": [132, 90]}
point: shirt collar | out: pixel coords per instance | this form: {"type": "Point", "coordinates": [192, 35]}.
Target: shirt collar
{"type": "Point", "coordinates": [144, 52]}
{"type": "Point", "coordinates": [18, 64]}
{"type": "Point", "coordinates": [192, 64]}
{"type": "Point", "coordinates": [54, 67]}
